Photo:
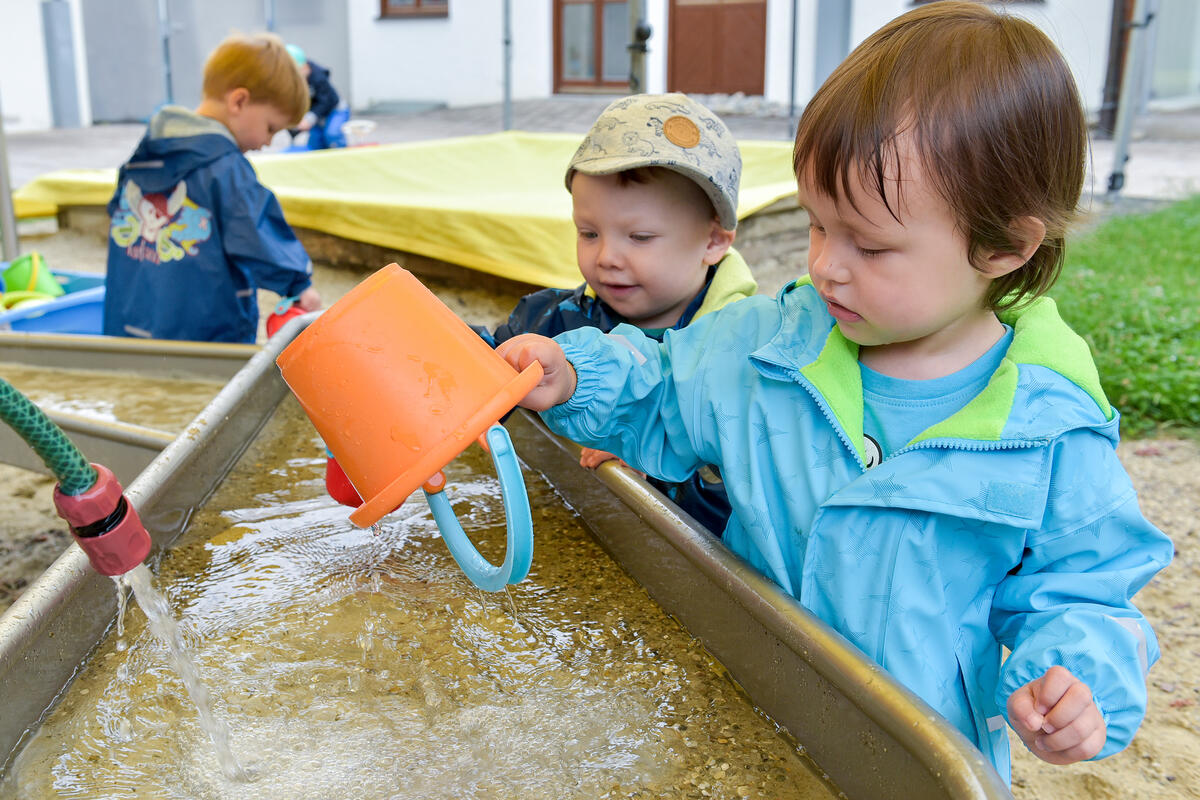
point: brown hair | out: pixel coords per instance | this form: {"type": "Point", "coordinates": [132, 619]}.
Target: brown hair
{"type": "Point", "coordinates": [643, 175]}
{"type": "Point", "coordinates": [262, 65]}
{"type": "Point", "coordinates": [995, 117]}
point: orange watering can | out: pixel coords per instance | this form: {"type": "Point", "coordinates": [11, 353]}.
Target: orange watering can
{"type": "Point", "coordinates": [397, 385]}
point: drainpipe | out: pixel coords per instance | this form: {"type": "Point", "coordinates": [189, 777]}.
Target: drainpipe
{"type": "Point", "coordinates": [507, 65]}
{"type": "Point", "coordinates": [164, 32]}
{"type": "Point", "coordinates": [793, 122]}
{"type": "Point", "coordinates": [1131, 83]}
{"type": "Point", "coordinates": [8, 219]}
{"type": "Point", "coordinates": [639, 34]}
{"type": "Point", "coordinates": [1117, 45]}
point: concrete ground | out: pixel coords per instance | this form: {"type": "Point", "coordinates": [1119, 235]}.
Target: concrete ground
{"type": "Point", "coordinates": [1164, 151]}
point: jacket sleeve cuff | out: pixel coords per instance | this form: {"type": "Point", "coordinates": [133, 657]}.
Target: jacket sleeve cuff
{"type": "Point", "coordinates": [1118, 688]}
{"type": "Point", "coordinates": [587, 381]}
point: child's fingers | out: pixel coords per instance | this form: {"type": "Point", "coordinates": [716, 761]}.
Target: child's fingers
{"type": "Point", "coordinates": [591, 458]}
{"type": "Point", "coordinates": [1057, 718]}
{"type": "Point", "coordinates": [1074, 729]}
{"type": "Point", "coordinates": [1084, 744]}
{"type": "Point", "coordinates": [518, 351]}
{"type": "Point", "coordinates": [1051, 687]}
{"type": "Point", "coordinates": [309, 299]}
{"type": "Point", "coordinates": [1022, 711]}
{"type": "Point", "coordinates": [1071, 706]}
{"type": "Point", "coordinates": [558, 378]}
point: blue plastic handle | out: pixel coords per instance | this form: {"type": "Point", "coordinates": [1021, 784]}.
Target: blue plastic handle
{"type": "Point", "coordinates": [519, 554]}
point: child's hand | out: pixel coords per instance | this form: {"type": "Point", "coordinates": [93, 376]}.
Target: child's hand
{"type": "Point", "coordinates": [1057, 719]}
{"type": "Point", "coordinates": [591, 458]}
{"type": "Point", "coordinates": [558, 378]}
{"type": "Point", "coordinates": [309, 299]}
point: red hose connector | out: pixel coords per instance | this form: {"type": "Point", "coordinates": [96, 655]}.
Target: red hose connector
{"type": "Point", "coordinates": [105, 525]}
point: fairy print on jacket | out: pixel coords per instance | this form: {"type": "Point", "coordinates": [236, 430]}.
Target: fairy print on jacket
{"type": "Point", "coordinates": [159, 227]}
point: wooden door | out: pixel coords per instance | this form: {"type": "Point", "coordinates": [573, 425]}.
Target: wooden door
{"type": "Point", "coordinates": [717, 46]}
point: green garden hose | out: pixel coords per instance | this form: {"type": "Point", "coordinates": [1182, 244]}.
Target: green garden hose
{"type": "Point", "coordinates": [75, 475]}
{"type": "Point", "coordinates": [88, 496]}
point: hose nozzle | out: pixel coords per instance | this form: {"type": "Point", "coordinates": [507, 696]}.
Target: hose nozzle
{"type": "Point", "coordinates": [105, 525]}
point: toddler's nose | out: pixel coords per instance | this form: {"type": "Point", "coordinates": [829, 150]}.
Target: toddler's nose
{"type": "Point", "coordinates": [823, 265]}
{"type": "Point", "coordinates": [608, 255]}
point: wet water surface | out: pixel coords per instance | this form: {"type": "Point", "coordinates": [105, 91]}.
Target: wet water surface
{"type": "Point", "coordinates": [348, 663]}
{"type": "Point", "coordinates": [167, 404]}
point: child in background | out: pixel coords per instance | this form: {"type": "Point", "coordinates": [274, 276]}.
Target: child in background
{"type": "Point", "coordinates": [654, 190]}
{"type": "Point", "coordinates": [325, 116]}
{"type": "Point", "coordinates": [915, 444]}
{"type": "Point", "coordinates": [193, 233]}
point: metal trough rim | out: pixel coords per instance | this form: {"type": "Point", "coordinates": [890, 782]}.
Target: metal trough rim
{"type": "Point", "coordinates": [873, 737]}
{"type": "Point", "coordinates": [125, 448]}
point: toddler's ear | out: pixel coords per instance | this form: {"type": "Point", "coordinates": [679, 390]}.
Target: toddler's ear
{"type": "Point", "coordinates": [719, 242]}
{"type": "Point", "coordinates": [236, 100]}
{"type": "Point", "coordinates": [1028, 233]}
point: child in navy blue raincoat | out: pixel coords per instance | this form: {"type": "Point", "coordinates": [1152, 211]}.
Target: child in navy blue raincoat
{"type": "Point", "coordinates": [647, 156]}
{"type": "Point", "coordinates": [915, 444]}
{"type": "Point", "coordinates": [193, 234]}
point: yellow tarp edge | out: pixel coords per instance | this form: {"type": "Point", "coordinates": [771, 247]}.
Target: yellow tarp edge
{"type": "Point", "coordinates": [494, 203]}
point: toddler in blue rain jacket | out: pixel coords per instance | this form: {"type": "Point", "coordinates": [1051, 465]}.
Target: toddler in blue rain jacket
{"type": "Point", "coordinates": [914, 443]}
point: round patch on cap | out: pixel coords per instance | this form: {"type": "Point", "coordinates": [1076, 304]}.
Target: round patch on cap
{"type": "Point", "coordinates": [681, 131]}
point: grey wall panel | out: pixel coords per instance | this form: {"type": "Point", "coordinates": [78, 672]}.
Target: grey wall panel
{"type": "Point", "coordinates": [124, 59]}
{"type": "Point", "coordinates": [60, 63]}
{"type": "Point", "coordinates": [125, 53]}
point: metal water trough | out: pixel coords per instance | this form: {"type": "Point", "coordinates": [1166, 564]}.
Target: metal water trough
{"type": "Point", "coordinates": [874, 738]}
{"type": "Point", "coordinates": [125, 448]}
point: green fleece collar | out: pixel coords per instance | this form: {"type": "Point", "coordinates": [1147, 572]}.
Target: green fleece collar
{"type": "Point", "coordinates": [732, 281]}
{"type": "Point", "coordinates": [1040, 337]}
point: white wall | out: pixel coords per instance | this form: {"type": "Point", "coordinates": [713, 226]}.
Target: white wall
{"type": "Point", "coordinates": [24, 84]}
{"type": "Point", "coordinates": [457, 60]}
{"type": "Point", "coordinates": [1079, 28]}
{"type": "Point", "coordinates": [1175, 70]}
{"type": "Point", "coordinates": [656, 55]}
{"type": "Point", "coordinates": [81, 73]}
{"type": "Point", "coordinates": [24, 80]}
{"type": "Point", "coordinates": [778, 80]}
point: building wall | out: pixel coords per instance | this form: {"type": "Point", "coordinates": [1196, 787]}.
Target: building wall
{"type": "Point", "coordinates": [24, 85]}
{"type": "Point", "coordinates": [780, 82]}
{"type": "Point", "coordinates": [456, 60]}
{"type": "Point", "coordinates": [656, 53]}
{"type": "Point", "coordinates": [1175, 70]}
{"type": "Point", "coordinates": [459, 60]}
{"type": "Point", "coordinates": [1080, 29]}
{"type": "Point", "coordinates": [125, 50]}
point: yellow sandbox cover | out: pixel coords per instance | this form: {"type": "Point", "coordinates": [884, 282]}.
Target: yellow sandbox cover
{"type": "Point", "coordinates": [494, 203]}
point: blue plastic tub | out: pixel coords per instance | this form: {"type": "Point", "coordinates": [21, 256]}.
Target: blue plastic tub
{"type": "Point", "coordinates": [75, 312]}
{"type": "Point", "coordinates": [78, 281]}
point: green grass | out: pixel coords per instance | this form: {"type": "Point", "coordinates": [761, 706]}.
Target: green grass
{"type": "Point", "coordinates": [1131, 287]}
